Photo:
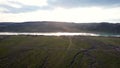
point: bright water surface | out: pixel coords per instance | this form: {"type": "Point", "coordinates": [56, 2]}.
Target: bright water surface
{"type": "Point", "coordinates": [57, 34]}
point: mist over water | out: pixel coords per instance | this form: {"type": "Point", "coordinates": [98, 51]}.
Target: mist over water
{"type": "Point", "coordinates": [57, 34]}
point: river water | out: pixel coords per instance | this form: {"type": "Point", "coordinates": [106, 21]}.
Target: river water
{"type": "Point", "coordinates": [58, 34]}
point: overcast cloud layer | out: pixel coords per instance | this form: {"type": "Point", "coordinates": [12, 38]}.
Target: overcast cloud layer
{"type": "Point", "coordinates": [84, 3]}
{"type": "Point", "coordinates": [85, 10]}
{"type": "Point", "coordinates": [28, 7]}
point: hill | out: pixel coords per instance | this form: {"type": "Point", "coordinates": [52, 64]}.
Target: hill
{"type": "Point", "coordinates": [51, 26]}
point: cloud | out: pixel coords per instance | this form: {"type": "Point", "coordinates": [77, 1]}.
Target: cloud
{"type": "Point", "coordinates": [27, 2]}
{"type": "Point", "coordinates": [57, 10]}
{"type": "Point", "coordinates": [22, 6]}
{"type": "Point", "coordinates": [84, 3]}
{"type": "Point", "coordinates": [17, 7]}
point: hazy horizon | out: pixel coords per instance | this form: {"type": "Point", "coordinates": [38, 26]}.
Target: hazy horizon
{"type": "Point", "coordinates": [55, 22]}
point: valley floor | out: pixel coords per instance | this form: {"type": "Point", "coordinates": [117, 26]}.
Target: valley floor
{"type": "Point", "coordinates": [59, 52]}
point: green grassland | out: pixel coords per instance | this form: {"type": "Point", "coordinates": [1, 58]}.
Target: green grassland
{"type": "Point", "coordinates": [59, 52]}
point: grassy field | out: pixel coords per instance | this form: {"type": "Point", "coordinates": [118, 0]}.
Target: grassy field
{"type": "Point", "coordinates": [59, 52]}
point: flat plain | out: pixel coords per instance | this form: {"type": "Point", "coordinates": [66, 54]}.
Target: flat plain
{"type": "Point", "coordinates": [59, 52]}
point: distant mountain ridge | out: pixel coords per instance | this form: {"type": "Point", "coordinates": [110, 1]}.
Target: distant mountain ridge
{"type": "Point", "coordinates": [51, 26]}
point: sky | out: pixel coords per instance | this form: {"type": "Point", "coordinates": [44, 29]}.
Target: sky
{"type": "Point", "coordinates": [60, 10]}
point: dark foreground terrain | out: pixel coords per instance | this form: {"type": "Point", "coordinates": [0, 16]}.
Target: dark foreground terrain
{"type": "Point", "coordinates": [59, 52]}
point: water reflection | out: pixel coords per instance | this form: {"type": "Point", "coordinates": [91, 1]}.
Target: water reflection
{"type": "Point", "coordinates": [56, 34]}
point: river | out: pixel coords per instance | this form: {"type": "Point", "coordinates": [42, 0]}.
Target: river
{"type": "Point", "coordinates": [58, 34]}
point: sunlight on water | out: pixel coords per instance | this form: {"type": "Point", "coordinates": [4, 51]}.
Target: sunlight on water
{"type": "Point", "coordinates": [50, 34]}
{"type": "Point", "coordinates": [56, 34]}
